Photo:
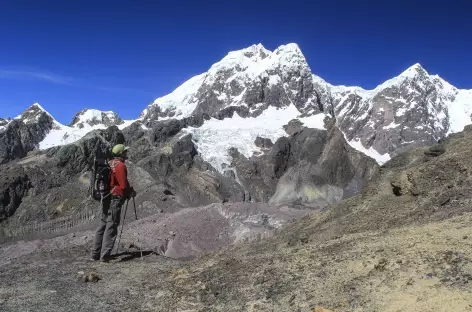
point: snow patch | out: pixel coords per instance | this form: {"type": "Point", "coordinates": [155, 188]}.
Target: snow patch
{"type": "Point", "coordinates": [401, 111]}
{"type": "Point", "coordinates": [126, 123]}
{"type": "Point", "coordinates": [460, 111]}
{"type": "Point", "coordinates": [315, 121]}
{"type": "Point", "coordinates": [215, 137]}
{"type": "Point", "coordinates": [63, 135]}
{"type": "Point", "coordinates": [391, 125]}
{"type": "Point", "coordinates": [274, 80]}
{"type": "Point", "coordinates": [88, 116]}
{"type": "Point", "coordinates": [371, 152]}
{"type": "Point", "coordinates": [180, 99]}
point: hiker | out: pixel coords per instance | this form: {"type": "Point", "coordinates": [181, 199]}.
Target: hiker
{"type": "Point", "coordinates": [120, 191]}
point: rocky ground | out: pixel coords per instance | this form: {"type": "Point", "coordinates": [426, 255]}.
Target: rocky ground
{"type": "Point", "coordinates": [403, 244]}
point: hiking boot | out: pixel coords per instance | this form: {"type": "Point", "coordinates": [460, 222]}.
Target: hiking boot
{"type": "Point", "coordinates": [106, 259]}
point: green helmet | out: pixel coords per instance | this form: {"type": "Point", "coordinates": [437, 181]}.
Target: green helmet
{"type": "Point", "coordinates": [119, 149]}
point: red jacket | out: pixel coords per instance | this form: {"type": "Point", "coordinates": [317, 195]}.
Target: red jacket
{"type": "Point", "coordinates": [119, 184]}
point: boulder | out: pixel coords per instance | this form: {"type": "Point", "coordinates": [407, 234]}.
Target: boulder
{"type": "Point", "coordinates": [263, 142]}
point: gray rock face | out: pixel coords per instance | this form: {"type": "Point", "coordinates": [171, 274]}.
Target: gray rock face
{"type": "Point", "coordinates": [52, 183]}
{"type": "Point", "coordinates": [22, 135]}
{"type": "Point", "coordinates": [93, 117]}
{"type": "Point", "coordinates": [263, 142]}
{"type": "Point", "coordinates": [13, 186]}
{"type": "Point", "coordinates": [178, 166]}
{"type": "Point", "coordinates": [312, 167]}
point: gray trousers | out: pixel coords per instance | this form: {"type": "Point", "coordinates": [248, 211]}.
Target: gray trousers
{"type": "Point", "coordinates": [106, 232]}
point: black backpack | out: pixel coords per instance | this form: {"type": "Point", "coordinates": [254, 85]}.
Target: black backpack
{"type": "Point", "coordinates": [100, 181]}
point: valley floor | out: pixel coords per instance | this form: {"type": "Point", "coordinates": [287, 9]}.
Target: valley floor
{"type": "Point", "coordinates": [412, 268]}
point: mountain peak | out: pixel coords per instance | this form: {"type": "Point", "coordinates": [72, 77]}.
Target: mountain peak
{"type": "Point", "coordinates": [288, 48]}
{"type": "Point", "coordinates": [414, 71]}
{"type": "Point", "coordinates": [33, 114]}
{"type": "Point", "coordinates": [37, 106]}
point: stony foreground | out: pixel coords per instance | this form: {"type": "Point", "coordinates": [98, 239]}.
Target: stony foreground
{"type": "Point", "coordinates": [425, 268]}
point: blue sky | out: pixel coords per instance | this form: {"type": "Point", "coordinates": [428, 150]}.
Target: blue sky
{"type": "Point", "coordinates": [120, 55]}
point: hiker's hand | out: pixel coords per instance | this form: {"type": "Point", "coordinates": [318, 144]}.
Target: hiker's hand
{"type": "Point", "coordinates": [132, 194]}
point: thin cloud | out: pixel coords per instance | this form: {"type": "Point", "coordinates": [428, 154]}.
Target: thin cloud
{"type": "Point", "coordinates": [21, 74]}
{"type": "Point", "coordinates": [64, 80]}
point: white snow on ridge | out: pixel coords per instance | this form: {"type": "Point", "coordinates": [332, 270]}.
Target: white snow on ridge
{"type": "Point", "coordinates": [127, 123]}
{"type": "Point", "coordinates": [460, 111]}
{"type": "Point", "coordinates": [180, 98]}
{"type": "Point", "coordinates": [214, 138]}
{"type": "Point", "coordinates": [63, 135]}
{"type": "Point", "coordinates": [371, 152]}
{"type": "Point", "coordinates": [87, 116]}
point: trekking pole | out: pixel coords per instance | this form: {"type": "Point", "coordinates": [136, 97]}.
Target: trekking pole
{"type": "Point", "coordinates": [136, 216]}
{"type": "Point", "coordinates": [122, 226]}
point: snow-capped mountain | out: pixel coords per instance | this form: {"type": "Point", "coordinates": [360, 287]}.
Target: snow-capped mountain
{"type": "Point", "coordinates": [94, 117]}
{"type": "Point", "coordinates": [24, 132]}
{"type": "Point", "coordinates": [251, 79]}
{"type": "Point", "coordinates": [36, 128]}
{"type": "Point", "coordinates": [84, 122]}
{"type": "Point", "coordinates": [412, 109]}
{"type": "Point", "coordinates": [4, 123]}
{"type": "Point", "coordinates": [32, 114]}
{"type": "Point", "coordinates": [267, 89]}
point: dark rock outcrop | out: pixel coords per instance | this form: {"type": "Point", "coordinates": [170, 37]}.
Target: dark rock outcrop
{"type": "Point", "coordinates": [186, 174]}
{"type": "Point", "coordinates": [435, 151]}
{"type": "Point", "coordinates": [263, 142]}
{"type": "Point", "coordinates": [312, 167]}
{"type": "Point", "coordinates": [19, 137]}
{"type": "Point", "coordinates": [13, 186]}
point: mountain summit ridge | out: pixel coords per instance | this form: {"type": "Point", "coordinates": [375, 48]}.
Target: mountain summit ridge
{"type": "Point", "coordinates": [411, 109]}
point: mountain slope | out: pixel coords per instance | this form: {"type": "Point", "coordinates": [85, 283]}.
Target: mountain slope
{"type": "Point", "coordinates": [402, 244]}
